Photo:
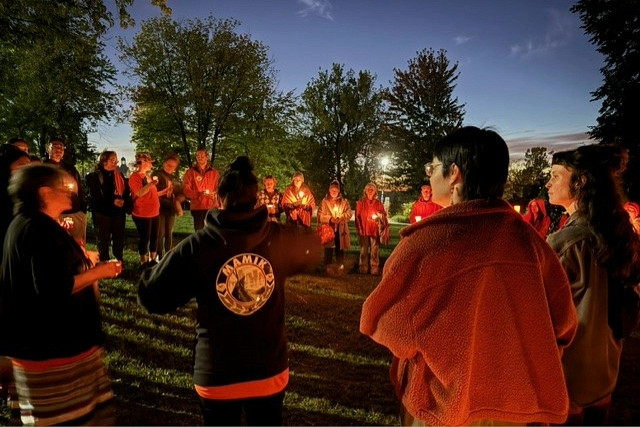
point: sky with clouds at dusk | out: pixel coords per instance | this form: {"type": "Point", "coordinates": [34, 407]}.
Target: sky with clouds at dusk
{"type": "Point", "coordinates": [526, 67]}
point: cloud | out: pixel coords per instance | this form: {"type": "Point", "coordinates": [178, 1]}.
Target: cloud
{"type": "Point", "coordinates": [321, 8]}
{"type": "Point", "coordinates": [556, 142]}
{"type": "Point", "coordinates": [461, 40]}
{"type": "Point", "coordinates": [560, 29]}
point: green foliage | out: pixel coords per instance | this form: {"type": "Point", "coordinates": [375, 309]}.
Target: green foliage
{"type": "Point", "coordinates": [341, 121]}
{"type": "Point", "coordinates": [53, 72]}
{"type": "Point", "coordinates": [527, 177]}
{"type": "Point", "coordinates": [203, 84]}
{"type": "Point", "coordinates": [422, 109]}
{"type": "Point", "coordinates": [614, 27]}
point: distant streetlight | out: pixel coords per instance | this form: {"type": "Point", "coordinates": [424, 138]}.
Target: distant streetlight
{"type": "Point", "coordinates": [384, 162]}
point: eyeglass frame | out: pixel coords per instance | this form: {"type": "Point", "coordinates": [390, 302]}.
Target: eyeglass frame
{"type": "Point", "coordinates": [430, 168]}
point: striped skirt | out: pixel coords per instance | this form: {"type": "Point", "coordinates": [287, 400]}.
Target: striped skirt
{"type": "Point", "coordinates": [60, 390]}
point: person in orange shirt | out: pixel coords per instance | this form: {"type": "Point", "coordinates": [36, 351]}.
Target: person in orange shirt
{"type": "Point", "coordinates": [424, 206]}
{"type": "Point", "coordinates": [146, 208]}
{"type": "Point", "coordinates": [200, 186]}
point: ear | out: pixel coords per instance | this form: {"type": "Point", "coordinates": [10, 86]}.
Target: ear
{"type": "Point", "coordinates": [455, 176]}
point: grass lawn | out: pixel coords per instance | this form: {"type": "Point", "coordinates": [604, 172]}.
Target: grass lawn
{"type": "Point", "coordinates": [338, 376]}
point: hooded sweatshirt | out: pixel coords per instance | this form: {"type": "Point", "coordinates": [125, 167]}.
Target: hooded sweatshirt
{"type": "Point", "coordinates": [235, 268]}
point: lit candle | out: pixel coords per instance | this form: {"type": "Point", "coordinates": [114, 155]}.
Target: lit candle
{"type": "Point", "coordinates": [516, 208]}
{"type": "Point", "coordinates": [301, 194]}
{"type": "Point", "coordinates": [70, 186]}
{"type": "Point", "coordinates": [418, 218]}
{"type": "Point", "coordinates": [155, 178]}
{"type": "Point", "coordinates": [374, 217]}
{"type": "Point", "coordinates": [335, 211]}
{"type": "Point", "coordinates": [270, 206]}
{"type": "Point", "coordinates": [206, 191]}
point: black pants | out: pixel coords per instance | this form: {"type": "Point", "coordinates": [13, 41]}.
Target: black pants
{"type": "Point", "coordinates": [110, 228]}
{"type": "Point", "coordinates": [259, 411]}
{"type": "Point", "coordinates": [165, 233]}
{"type": "Point", "coordinates": [147, 233]}
{"type": "Point", "coordinates": [198, 218]}
{"type": "Point", "coordinates": [328, 252]}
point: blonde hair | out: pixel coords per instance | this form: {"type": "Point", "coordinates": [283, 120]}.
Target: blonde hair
{"type": "Point", "coordinates": [371, 184]}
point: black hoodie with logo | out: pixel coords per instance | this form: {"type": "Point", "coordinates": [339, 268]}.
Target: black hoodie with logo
{"type": "Point", "coordinates": [235, 268]}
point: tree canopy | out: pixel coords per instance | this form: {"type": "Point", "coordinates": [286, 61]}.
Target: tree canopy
{"type": "Point", "coordinates": [341, 117]}
{"type": "Point", "coordinates": [422, 109]}
{"type": "Point", "coordinates": [199, 83]}
{"type": "Point", "coordinates": [614, 27]}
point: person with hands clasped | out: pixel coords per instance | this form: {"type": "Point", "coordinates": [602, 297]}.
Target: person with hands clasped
{"type": "Point", "coordinates": [201, 187]}
{"type": "Point", "coordinates": [108, 194]}
{"type": "Point", "coordinates": [146, 208]}
{"type": "Point", "coordinates": [49, 311]}
{"type": "Point", "coordinates": [298, 201]}
{"type": "Point", "coordinates": [335, 211]}
{"type": "Point", "coordinates": [373, 229]}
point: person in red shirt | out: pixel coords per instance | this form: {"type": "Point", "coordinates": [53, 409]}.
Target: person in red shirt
{"type": "Point", "coordinates": [371, 223]}
{"type": "Point", "coordinates": [423, 207]}
{"type": "Point", "coordinates": [146, 208]}
{"type": "Point", "coordinates": [201, 187]}
{"type": "Point", "coordinates": [537, 216]}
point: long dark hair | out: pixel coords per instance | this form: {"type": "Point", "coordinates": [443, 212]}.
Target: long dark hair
{"type": "Point", "coordinates": [239, 186]}
{"type": "Point", "coordinates": [596, 183]}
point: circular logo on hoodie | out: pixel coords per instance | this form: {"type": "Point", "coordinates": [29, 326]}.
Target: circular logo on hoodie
{"type": "Point", "coordinates": [244, 283]}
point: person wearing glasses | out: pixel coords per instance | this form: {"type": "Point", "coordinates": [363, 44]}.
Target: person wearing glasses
{"type": "Point", "coordinates": [473, 304]}
{"type": "Point", "coordinates": [49, 312]}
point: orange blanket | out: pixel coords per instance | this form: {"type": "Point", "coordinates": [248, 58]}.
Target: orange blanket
{"type": "Point", "coordinates": [476, 309]}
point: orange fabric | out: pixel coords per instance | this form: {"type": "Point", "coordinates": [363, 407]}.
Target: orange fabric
{"type": "Point", "coordinates": [257, 388]}
{"type": "Point", "coordinates": [119, 180]}
{"type": "Point", "coordinates": [476, 309]}
{"type": "Point", "coordinates": [46, 365]}
{"type": "Point", "coordinates": [148, 205]}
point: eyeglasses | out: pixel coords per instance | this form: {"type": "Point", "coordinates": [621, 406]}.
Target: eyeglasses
{"type": "Point", "coordinates": [430, 168]}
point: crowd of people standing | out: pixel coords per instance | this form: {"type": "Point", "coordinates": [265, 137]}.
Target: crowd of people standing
{"type": "Point", "coordinates": [461, 335]}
